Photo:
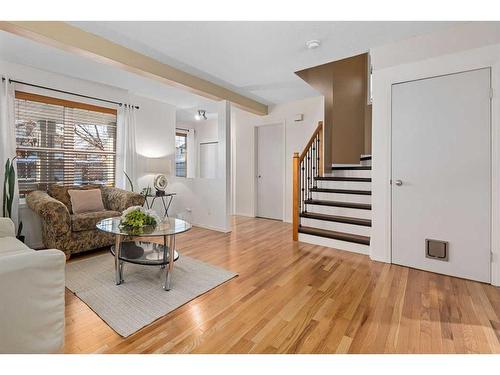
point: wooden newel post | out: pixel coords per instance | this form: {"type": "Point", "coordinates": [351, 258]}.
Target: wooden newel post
{"type": "Point", "coordinates": [296, 192]}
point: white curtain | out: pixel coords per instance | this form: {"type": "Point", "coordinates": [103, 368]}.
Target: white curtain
{"type": "Point", "coordinates": [192, 152]}
{"type": "Point", "coordinates": [126, 160]}
{"type": "Point", "coordinates": [8, 140]}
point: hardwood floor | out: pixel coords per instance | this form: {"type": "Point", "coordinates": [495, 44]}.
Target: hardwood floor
{"type": "Point", "coordinates": [300, 298]}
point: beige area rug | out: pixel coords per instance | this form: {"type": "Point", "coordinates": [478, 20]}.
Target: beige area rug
{"type": "Point", "coordinates": [141, 299]}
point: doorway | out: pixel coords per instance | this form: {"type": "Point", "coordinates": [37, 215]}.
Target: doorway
{"type": "Point", "coordinates": [441, 174]}
{"type": "Point", "coordinates": [269, 171]}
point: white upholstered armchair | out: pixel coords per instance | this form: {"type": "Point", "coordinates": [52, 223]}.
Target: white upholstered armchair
{"type": "Point", "coordinates": [31, 296]}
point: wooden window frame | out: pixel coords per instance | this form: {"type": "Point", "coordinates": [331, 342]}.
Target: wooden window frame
{"type": "Point", "coordinates": [63, 102]}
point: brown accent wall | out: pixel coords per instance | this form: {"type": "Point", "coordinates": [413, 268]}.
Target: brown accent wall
{"type": "Point", "coordinates": [321, 78]}
{"type": "Point", "coordinates": [344, 84]}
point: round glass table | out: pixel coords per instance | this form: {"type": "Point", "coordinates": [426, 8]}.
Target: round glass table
{"type": "Point", "coordinates": [143, 252]}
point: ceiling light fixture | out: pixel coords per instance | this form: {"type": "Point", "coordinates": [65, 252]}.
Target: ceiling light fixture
{"type": "Point", "coordinates": [312, 44]}
{"type": "Point", "coordinates": [200, 115]}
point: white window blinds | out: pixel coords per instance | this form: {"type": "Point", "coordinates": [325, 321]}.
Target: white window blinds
{"type": "Point", "coordinates": [63, 142]}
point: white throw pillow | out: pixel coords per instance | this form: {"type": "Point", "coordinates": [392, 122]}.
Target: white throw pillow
{"type": "Point", "coordinates": [86, 200]}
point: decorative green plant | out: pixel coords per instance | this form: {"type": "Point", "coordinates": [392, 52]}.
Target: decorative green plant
{"type": "Point", "coordinates": [9, 184]}
{"type": "Point", "coordinates": [146, 191]}
{"type": "Point", "coordinates": [8, 187]}
{"type": "Point", "coordinates": [138, 217]}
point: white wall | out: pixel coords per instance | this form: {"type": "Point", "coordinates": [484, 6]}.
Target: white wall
{"type": "Point", "coordinates": [155, 138]}
{"type": "Point", "coordinates": [205, 131]}
{"type": "Point", "coordinates": [296, 135]}
{"type": "Point", "coordinates": [18, 72]}
{"type": "Point", "coordinates": [203, 201]}
{"type": "Point", "coordinates": [459, 38]}
{"type": "Point", "coordinates": [390, 65]}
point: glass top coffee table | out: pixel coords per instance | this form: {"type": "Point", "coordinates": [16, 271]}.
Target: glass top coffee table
{"type": "Point", "coordinates": [141, 251]}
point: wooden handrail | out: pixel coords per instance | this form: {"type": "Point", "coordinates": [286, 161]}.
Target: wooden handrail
{"type": "Point", "coordinates": [319, 130]}
{"type": "Point", "coordinates": [315, 144]}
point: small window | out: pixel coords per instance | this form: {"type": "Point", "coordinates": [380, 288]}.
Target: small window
{"type": "Point", "coordinates": [180, 154]}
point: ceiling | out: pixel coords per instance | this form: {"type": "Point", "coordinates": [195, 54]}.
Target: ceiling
{"type": "Point", "coordinates": [187, 115]}
{"type": "Point", "coordinates": [256, 59]}
{"type": "Point", "coordinates": [23, 51]}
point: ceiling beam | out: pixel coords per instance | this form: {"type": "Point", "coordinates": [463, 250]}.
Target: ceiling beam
{"type": "Point", "coordinates": [78, 41]}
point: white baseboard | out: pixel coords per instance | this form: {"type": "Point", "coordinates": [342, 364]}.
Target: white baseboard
{"type": "Point", "coordinates": [243, 214]}
{"type": "Point", "coordinates": [217, 229]}
{"type": "Point", "coordinates": [380, 259]}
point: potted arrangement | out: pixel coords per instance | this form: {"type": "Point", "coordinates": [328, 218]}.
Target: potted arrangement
{"type": "Point", "coordinates": [146, 191]}
{"type": "Point", "coordinates": [8, 194]}
{"type": "Point", "coordinates": [136, 218]}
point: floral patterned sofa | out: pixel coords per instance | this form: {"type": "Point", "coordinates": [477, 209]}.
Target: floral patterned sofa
{"type": "Point", "coordinates": [75, 233]}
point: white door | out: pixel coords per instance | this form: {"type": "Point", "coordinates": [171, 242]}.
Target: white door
{"type": "Point", "coordinates": [441, 182]}
{"type": "Point", "coordinates": [270, 171]}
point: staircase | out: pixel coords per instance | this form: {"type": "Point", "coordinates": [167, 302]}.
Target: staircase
{"type": "Point", "coordinates": [332, 209]}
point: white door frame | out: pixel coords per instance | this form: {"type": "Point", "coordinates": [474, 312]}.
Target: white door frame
{"type": "Point", "coordinates": [255, 165]}
{"type": "Point", "coordinates": [495, 155]}
{"type": "Point", "coordinates": [492, 166]}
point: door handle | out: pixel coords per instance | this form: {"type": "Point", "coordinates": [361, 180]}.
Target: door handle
{"type": "Point", "coordinates": [398, 182]}
{"type": "Point", "coordinates": [259, 176]}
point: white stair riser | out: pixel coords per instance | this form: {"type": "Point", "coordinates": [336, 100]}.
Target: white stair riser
{"type": "Point", "coordinates": [340, 211]}
{"type": "Point", "coordinates": [346, 165]}
{"type": "Point", "coordinates": [334, 244]}
{"type": "Point", "coordinates": [366, 162]}
{"type": "Point", "coordinates": [337, 227]}
{"type": "Point", "coordinates": [344, 185]}
{"type": "Point", "coordinates": [351, 173]}
{"type": "Point", "coordinates": [352, 198]}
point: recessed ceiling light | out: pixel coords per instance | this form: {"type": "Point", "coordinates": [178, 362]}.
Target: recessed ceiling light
{"type": "Point", "coordinates": [312, 44]}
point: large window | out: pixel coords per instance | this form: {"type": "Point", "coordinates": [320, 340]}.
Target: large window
{"type": "Point", "coordinates": [63, 142]}
{"type": "Point", "coordinates": [180, 154]}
